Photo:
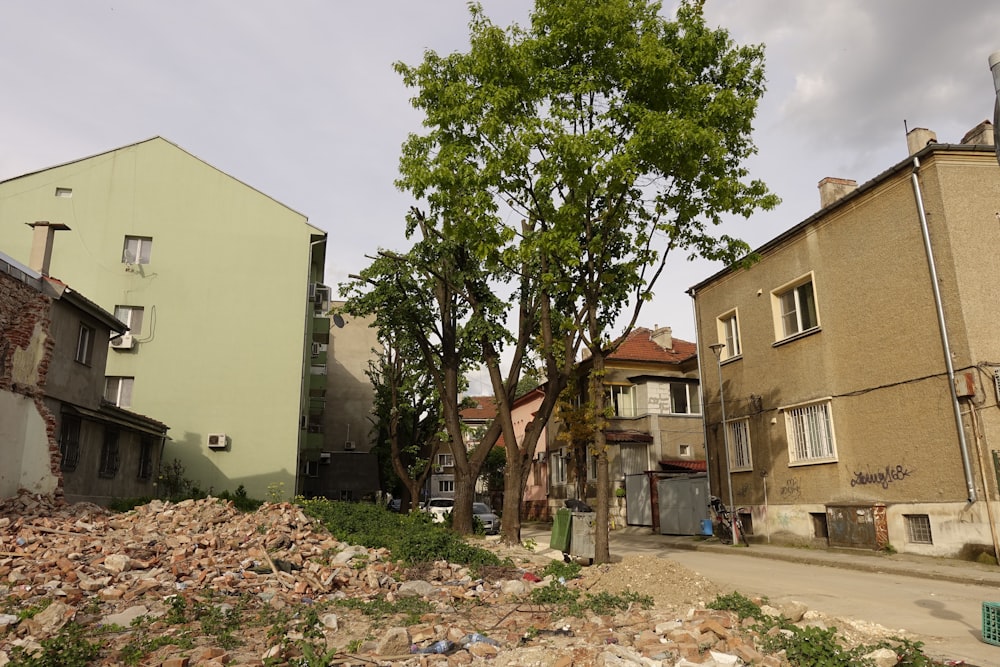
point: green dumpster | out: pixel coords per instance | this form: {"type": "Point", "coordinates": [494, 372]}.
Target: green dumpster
{"type": "Point", "coordinates": [561, 530]}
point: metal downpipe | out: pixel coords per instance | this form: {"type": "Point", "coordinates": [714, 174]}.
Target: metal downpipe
{"type": "Point", "coordinates": [963, 445]}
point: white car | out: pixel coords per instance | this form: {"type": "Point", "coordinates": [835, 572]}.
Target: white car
{"type": "Point", "coordinates": [438, 507]}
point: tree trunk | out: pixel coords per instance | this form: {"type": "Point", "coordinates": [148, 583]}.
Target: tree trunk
{"type": "Point", "coordinates": [510, 524]}
{"type": "Point", "coordinates": [602, 553]}
{"type": "Point", "coordinates": [465, 489]}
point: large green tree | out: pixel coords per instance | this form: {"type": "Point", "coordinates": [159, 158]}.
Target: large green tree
{"type": "Point", "coordinates": [572, 158]}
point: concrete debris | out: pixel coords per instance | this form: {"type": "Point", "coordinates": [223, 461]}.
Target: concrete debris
{"type": "Point", "coordinates": [132, 571]}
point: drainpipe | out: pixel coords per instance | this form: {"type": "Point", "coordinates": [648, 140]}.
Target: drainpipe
{"type": "Point", "coordinates": [963, 446]}
{"type": "Point", "coordinates": [701, 389]}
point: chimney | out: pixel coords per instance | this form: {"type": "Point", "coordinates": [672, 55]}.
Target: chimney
{"type": "Point", "coordinates": [919, 137]}
{"type": "Point", "coordinates": [831, 189]}
{"type": "Point", "coordinates": [980, 135]}
{"type": "Point", "coordinates": [663, 337]}
{"type": "Point", "coordinates": [41, 245]}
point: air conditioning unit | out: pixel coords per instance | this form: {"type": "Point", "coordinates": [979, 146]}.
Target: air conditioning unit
{"type": "Point", "coordinates": [322, 294]}
{"type": "Point", "coordinates": [438, 469]}
{"type": "Point", "coordinates": [123, 342]}
{"type": "Point", "coordinates": [312, 291]}
{"type": "Point", "coordinates": [349, 446]}
{"type": "Point", "coordinates": [316, 349]}
{"type": "Point", "coordinates": [325, 458]}
{"type": "Point", "coordinates": [218, 441]}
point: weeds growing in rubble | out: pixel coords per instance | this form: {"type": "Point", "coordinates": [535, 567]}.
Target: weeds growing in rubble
{"type": "Point", "coordinates": [69, 648]}
{"type": "Point", "coordinates": [570, 602]}
{"type": "Point", "coordinates": [412, 538]}
{"type": "Point", "coordinates": [141, 645]}
{"type": "Point", "coordinates": [814, 646]}
{"type": "Point", "coordinates": [561, 570]}
{"type": "Point", "coordinates": [378, 608]}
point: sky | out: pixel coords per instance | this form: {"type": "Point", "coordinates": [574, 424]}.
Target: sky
{"type": "Point", "coordinates": [299, 99]}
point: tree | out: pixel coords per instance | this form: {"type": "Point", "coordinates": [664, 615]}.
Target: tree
{"type": "Point", "coordinates": [617, 137]}
{"type": "Point", "coordinates": [407, 412]}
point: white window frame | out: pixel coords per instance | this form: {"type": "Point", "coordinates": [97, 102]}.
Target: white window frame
{"type": "Point", "coordinates": [85, 344]}
{"type": "Point", "coordinates": [142, 248]}
{"type": "Point", "coordinates": [446, 486]}
{"type": "Point", "coordinates": [788, 308]}
{"type": "Point", "coordinates": [132, 316]}
{"type": "Point", "coordinates": [740, 452]}
{"type": "Point", "coordinates": [559, 467]}
{"type": "Point", "coordinates": [810, 433]}
{"type": "Point", "coordinates": [623, 399]}
{"type": "Point", "coordinates": [728, 331]}
{"type": "Point", "coordinates": [118, 390]}
{"type": "Point", "coordinates": [445, 460]}
{"type": "Point", "coordinates": [693, 395]}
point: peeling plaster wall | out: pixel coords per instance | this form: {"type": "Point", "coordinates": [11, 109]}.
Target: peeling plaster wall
{"type": "Point", "coordinates": [27, 438]}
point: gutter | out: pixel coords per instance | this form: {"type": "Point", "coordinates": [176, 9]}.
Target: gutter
{"type": "Point", "coordinates": [925, 232]}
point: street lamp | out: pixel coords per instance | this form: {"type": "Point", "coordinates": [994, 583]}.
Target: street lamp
{"type": "Point", "coordinates": [717, 350]}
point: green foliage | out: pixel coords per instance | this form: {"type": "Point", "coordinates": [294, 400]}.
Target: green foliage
{"type": "Point", "coordinates": [815, 647]}
{"type": "Point", "coordinates": [571, 602]}
{"type": "Point", "coordinates": [739, 604]}
{"type": "Point", "coordinates": [412, 538]}
{"type": "Point", "coordinates": [561, 570]}
{"type": "Point", "coordinates": [241, 501]}
{"type": "Point", "coordinates": [379, 609]}
{"type": "Point", "coordinates": [69, 648]}
{"type": "Point", "coordinates": [142, 645]}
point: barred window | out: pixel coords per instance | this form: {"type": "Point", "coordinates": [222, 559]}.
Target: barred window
{"type": "Point", "coordinates": [109, 454]}
{"type": "Point", "coordinates": [69, 443]}
{"type": "Point", "coordinates": [810, 433]}
{"type": "Point", "coordinates": [918, 528]}
{"type": "Point", "coordinates": [739, 445]}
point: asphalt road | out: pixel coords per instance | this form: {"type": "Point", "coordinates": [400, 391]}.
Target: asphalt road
{"type": "Point", "coordinates": [946, 616]}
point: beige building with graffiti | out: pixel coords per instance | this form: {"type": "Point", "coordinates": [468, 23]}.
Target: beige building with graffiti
{"type": "Point", "coordinates": [861, 404]}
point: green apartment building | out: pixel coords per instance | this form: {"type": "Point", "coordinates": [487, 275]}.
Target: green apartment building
{"type": "Point", "coordinates": [221, 287]}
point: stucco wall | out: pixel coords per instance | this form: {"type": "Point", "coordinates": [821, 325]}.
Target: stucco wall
{"type": "Point", "coordinates": [876, 354]}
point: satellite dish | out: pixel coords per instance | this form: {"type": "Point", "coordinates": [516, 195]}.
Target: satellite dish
{"type": "Point", "coordinates": [338, 320]}
{"type": "Point", "coordinates": [995, 69]}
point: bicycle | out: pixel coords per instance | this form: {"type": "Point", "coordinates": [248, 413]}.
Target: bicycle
{"type": "Point", "coordinates": [723, 520]}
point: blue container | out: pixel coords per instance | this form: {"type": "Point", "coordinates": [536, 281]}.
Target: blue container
{"type": "Point", "coordinates": [706, 527]}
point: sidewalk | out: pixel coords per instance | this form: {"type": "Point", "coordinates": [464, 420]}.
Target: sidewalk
{"type": "Point", "coordinates": [639, 540]}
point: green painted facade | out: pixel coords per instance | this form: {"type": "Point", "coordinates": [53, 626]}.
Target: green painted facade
{"type": "Point", "coordinates": [226, 339]}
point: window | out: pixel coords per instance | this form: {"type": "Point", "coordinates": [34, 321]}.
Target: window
{"type": "Point", "coordinates": [684, 399]}
{"type": "Point", "coordinates": [445, 460]}
{"type": "Point", "coordinates": [810, 433]}
{"type": "Point", "coordinates": [132, 316]}
{"type": "Point", "coordinates": [623, 400]}
{"type": "Point", "coordinates": [118, 390]}
{"type": "Point", "coordinates": [918, 528]}
{"type": "Point", "coordinates": [796, 308]}
{"type": "Point", "coordinates": [729, 333]}
{"type": "Point", "coordinates": [64, 192]}
{"type": "Point", "coordinates": [446, 486]}
{"type": "Point", "coordinates": [591, 465]}
{"type": "Point", "coordinates": [559, 467]}
{"type": "Point", "coordinates": [310, 468]}
{"type": "Point", "coordinates": [69, 443]}
{"type": "Point", "coordinates": [685, 450]}
{"type": "Point", "coordinates": [109, 453]}
{"type": "Point", "coordinates": [137, 250]}
{"type": "Point", "coordinates": [739, 445]}
{"type": "Point", "coordinates": [85, 344]}
{"type": "Point", "coordinates": [146, 445]}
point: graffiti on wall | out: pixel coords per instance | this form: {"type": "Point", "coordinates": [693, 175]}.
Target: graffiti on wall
{"type": "Point", "coordinates": [790, 490]}
{"type": "Point", "coordinates": [883, 477]}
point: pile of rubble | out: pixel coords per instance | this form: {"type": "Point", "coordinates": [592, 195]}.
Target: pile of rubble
{"type": "Point", "coordinates": [280, 570]}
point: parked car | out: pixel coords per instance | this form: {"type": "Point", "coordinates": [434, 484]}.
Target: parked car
{"type": "Point", "coordinates": [438, 507]}
{"type": "Point", "coordinates": [491, 522]}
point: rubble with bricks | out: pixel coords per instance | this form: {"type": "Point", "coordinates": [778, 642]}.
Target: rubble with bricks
{"type": "Point", "coordinates": [116, 575]}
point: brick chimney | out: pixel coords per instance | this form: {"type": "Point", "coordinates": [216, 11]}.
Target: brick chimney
{"type": "Point", "coordinates": [831, 189]}
{"type": "Point", "coordinates": [919, 137]}
{"type": "Point", "coordinates": [41, 245]}
{"type": "Point", "coordinates": [664, 337]}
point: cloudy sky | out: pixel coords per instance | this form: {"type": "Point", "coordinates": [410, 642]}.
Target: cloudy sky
{"type": "Point", "coordinates": [299, 99]}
